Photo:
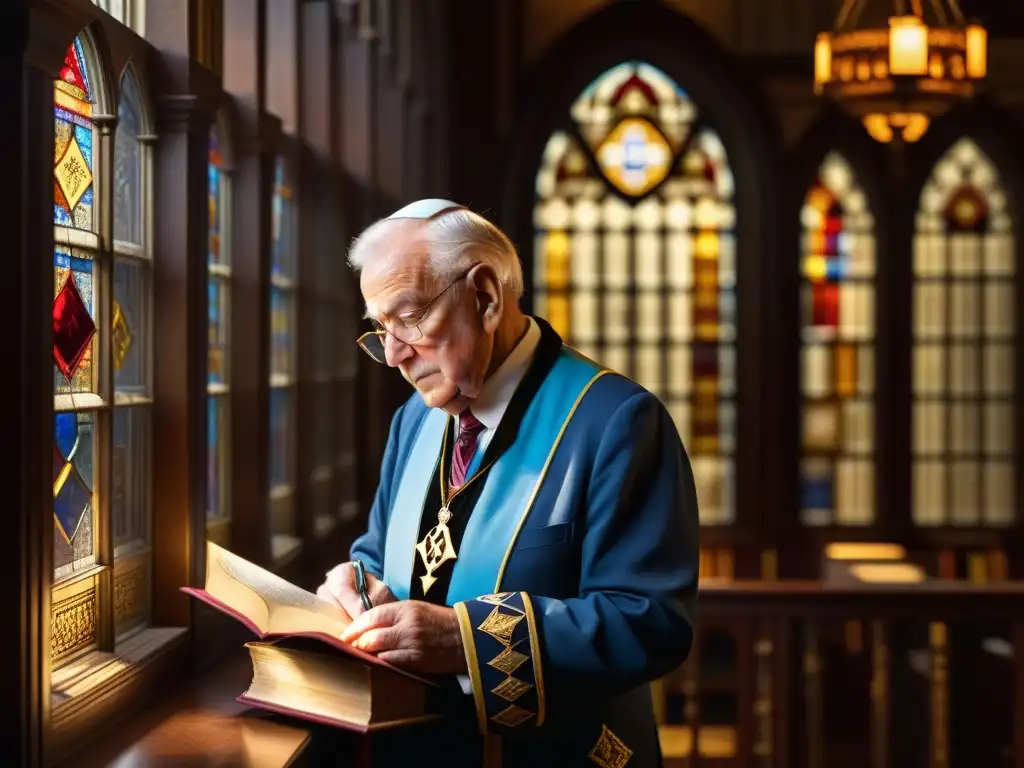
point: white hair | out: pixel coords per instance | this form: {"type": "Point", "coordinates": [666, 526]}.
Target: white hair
{"type": "Point", "coordinates": [457, 238]}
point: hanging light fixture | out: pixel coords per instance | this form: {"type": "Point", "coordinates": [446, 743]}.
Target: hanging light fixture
{"type": "Point", "coordinates": [896, 67]}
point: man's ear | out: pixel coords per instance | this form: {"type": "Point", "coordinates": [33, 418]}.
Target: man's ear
{"type": "Point", "coordinates": [483, 281]}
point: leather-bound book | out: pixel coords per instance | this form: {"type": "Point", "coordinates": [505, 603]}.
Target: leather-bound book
{"type": "Point", "coordinates": [301, 667]}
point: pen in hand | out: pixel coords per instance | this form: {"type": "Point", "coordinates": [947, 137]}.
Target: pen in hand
{"type": "Point", "coordinates": [364, 596]}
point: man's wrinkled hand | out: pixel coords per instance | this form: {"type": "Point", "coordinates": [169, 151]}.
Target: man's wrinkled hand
{"type": "Point", "coordinates": [339, 588]}
{"type": "Point", "coordinates": [411, 634]}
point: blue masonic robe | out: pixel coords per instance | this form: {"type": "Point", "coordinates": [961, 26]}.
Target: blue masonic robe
{"type": "Point", "coordinates": [575, 581]}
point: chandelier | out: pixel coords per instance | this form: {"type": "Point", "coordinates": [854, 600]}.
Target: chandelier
{"type": "Point", "coordinates": [895, 67]}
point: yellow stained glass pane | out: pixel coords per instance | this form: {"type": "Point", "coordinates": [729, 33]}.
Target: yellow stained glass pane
{"type": "Point", "coordinates": [556, 253]}
{"type": "Point", "coordinates": [846, 370]}
{"type": "Point", "coordinates": [635, 157]}
{"type": "Point", "coordinates": [558, 313]}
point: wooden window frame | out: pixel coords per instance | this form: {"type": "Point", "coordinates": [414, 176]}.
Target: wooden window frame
{"type": "Point", "coordinates": [89, 679]}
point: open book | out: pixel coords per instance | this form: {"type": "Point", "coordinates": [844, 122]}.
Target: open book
{"type": "Point", "coordinates": [303, 668]}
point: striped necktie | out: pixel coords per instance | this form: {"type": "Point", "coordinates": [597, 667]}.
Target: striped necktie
{"type": "Point", "coordinates": [470, 428]}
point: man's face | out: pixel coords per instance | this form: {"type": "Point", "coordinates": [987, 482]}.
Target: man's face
{"type": "Point", "coordinates": [448, 361]}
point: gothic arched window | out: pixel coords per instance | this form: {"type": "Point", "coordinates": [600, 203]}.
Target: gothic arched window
{"type": "Point", "coordinates": [102, 351]}
{"type": "Point", "coordinates": [964, 441]}
{"type": "Point", "coordinates": [837, 379]}
{"type": "Point", "coordinates": [635, 257]}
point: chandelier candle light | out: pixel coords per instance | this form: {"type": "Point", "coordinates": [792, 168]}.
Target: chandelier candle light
{"type": "Point", "coordinates": [898, 72]}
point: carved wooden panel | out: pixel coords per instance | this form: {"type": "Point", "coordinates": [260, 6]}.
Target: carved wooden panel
{"type": "Point", "coordinates": [73, 626]}
{"type": "Point", "coordinates": [131, 598]}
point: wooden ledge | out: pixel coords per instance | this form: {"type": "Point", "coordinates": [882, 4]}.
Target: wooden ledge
{"type": "Point", "coordinates": [200, 725]}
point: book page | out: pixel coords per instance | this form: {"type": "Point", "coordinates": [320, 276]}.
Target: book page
{"type": "Point", "coordinates": [270, 602]}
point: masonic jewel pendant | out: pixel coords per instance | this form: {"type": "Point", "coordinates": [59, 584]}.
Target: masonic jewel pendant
{"type": "Point", "coordinates": [436, 548]}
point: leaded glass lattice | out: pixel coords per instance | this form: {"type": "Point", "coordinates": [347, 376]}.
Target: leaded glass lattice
{"type": "Point", "coordinates": [635, 257]}
{"type": "Point", "coordinates": [78, 295]}
{"type": "Point", "coordinates": [73, 142]}
{"type": "Point", "coordinates": [838, 355]}
{"type": "Point", "coordinates": [74, 448]}
{"type": "Point", "coordinates": [965, 332]}
{"type": "Point", "coordinates": [74, 325]}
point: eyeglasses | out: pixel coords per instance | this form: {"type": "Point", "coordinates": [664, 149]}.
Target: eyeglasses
{"type": "Point", "coordinates": [406, 327]}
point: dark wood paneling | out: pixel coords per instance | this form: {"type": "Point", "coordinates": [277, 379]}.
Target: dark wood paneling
{"type": "Point", "coordinates": [27, 67]}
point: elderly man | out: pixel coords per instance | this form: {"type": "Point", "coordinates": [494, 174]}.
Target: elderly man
{"type": "Point", "coordinates": [535, 531]}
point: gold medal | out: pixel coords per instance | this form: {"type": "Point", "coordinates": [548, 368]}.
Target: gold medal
{"type": "Point", "coordinates": [436, 549]}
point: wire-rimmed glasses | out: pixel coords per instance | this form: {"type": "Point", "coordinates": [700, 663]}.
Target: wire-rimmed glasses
{"type": "Point", "coordinates": [405, 328]}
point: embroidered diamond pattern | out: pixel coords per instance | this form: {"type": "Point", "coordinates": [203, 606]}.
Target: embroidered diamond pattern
{"type": "Point", "coordinates": [497, 599]}
{"type": "Point", "coordinates": [121, 336]}
{"type": "Point", "coordinates": [73, 174]}
{"type": "Point", "coordinates": [512, 716]}
{"type": "Point", "coordinates": [511, 689]}
{"type": "Point", "coordinates": [508, 661]}
{"type": "Point", "coordinates": [73, 328]}
{"type": "Point", "coordinates": [500, 626]}
{"type": "Point", "coordinates": [610, 751]}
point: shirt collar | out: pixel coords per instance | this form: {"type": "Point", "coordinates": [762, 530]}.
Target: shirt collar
{"type": "Point", "coordinates": [497, 391]}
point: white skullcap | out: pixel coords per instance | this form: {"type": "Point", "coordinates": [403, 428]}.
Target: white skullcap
{"type": "Point", "coordinates": [424, 209]}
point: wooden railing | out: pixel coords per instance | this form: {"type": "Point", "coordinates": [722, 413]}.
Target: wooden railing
{"type": "Point", "coordinates": [807, 675]}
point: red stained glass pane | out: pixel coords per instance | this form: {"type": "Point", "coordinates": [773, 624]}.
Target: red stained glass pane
{"type": "Point", "coordinates": [71, 72]}
{"type": "Point", "coordinates": [826, 305]}
{"type": "Point", "coordinates": [73, 328]}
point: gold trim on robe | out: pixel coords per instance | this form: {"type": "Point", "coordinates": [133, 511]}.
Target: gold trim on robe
{"type": "Point", "coordinates": [502, 646]}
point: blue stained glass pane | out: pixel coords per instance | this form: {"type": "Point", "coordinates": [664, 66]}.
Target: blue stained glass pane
{"type": "Point", "coordinates": [83, 66]}
{"type": "Point", "coordinates": [70, 505]}
{"type": "Point", "coordinates": [835, 269]}
{"type": "Point", "coordinates": [817, 493]}
{"type": "Point", "coordinates": [214, 305]}
{"type": "Point", "coordinates": [72, 490]}
{"type": "Point", "coordinates": [65, 433]}
{"type": "Point", "coordinates": [83, 135]}
{"type": "Point", "coordinates": [61, 216]}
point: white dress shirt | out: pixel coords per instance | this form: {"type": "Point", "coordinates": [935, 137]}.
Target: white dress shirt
{"type": "Point", "coordinates": [497, 391]}
{"type": "Point", "coordinates": [490, 406]}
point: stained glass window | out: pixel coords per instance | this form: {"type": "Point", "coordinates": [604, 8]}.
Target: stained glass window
{"type": "Point", "coordinates": [77, 339]}
{"type": "Point", "coordinates": [964, 437]}
{"type": "Point", "coordinates": [73, 145]}
{"type": "Point", "coordinates": [283, 318]}
{"type": "Point", "coordinates": [838, 357]}
{"type": "Point", "coordinates": [634, 257]}
{"type": "Point", "coordinates": [218, 507]}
